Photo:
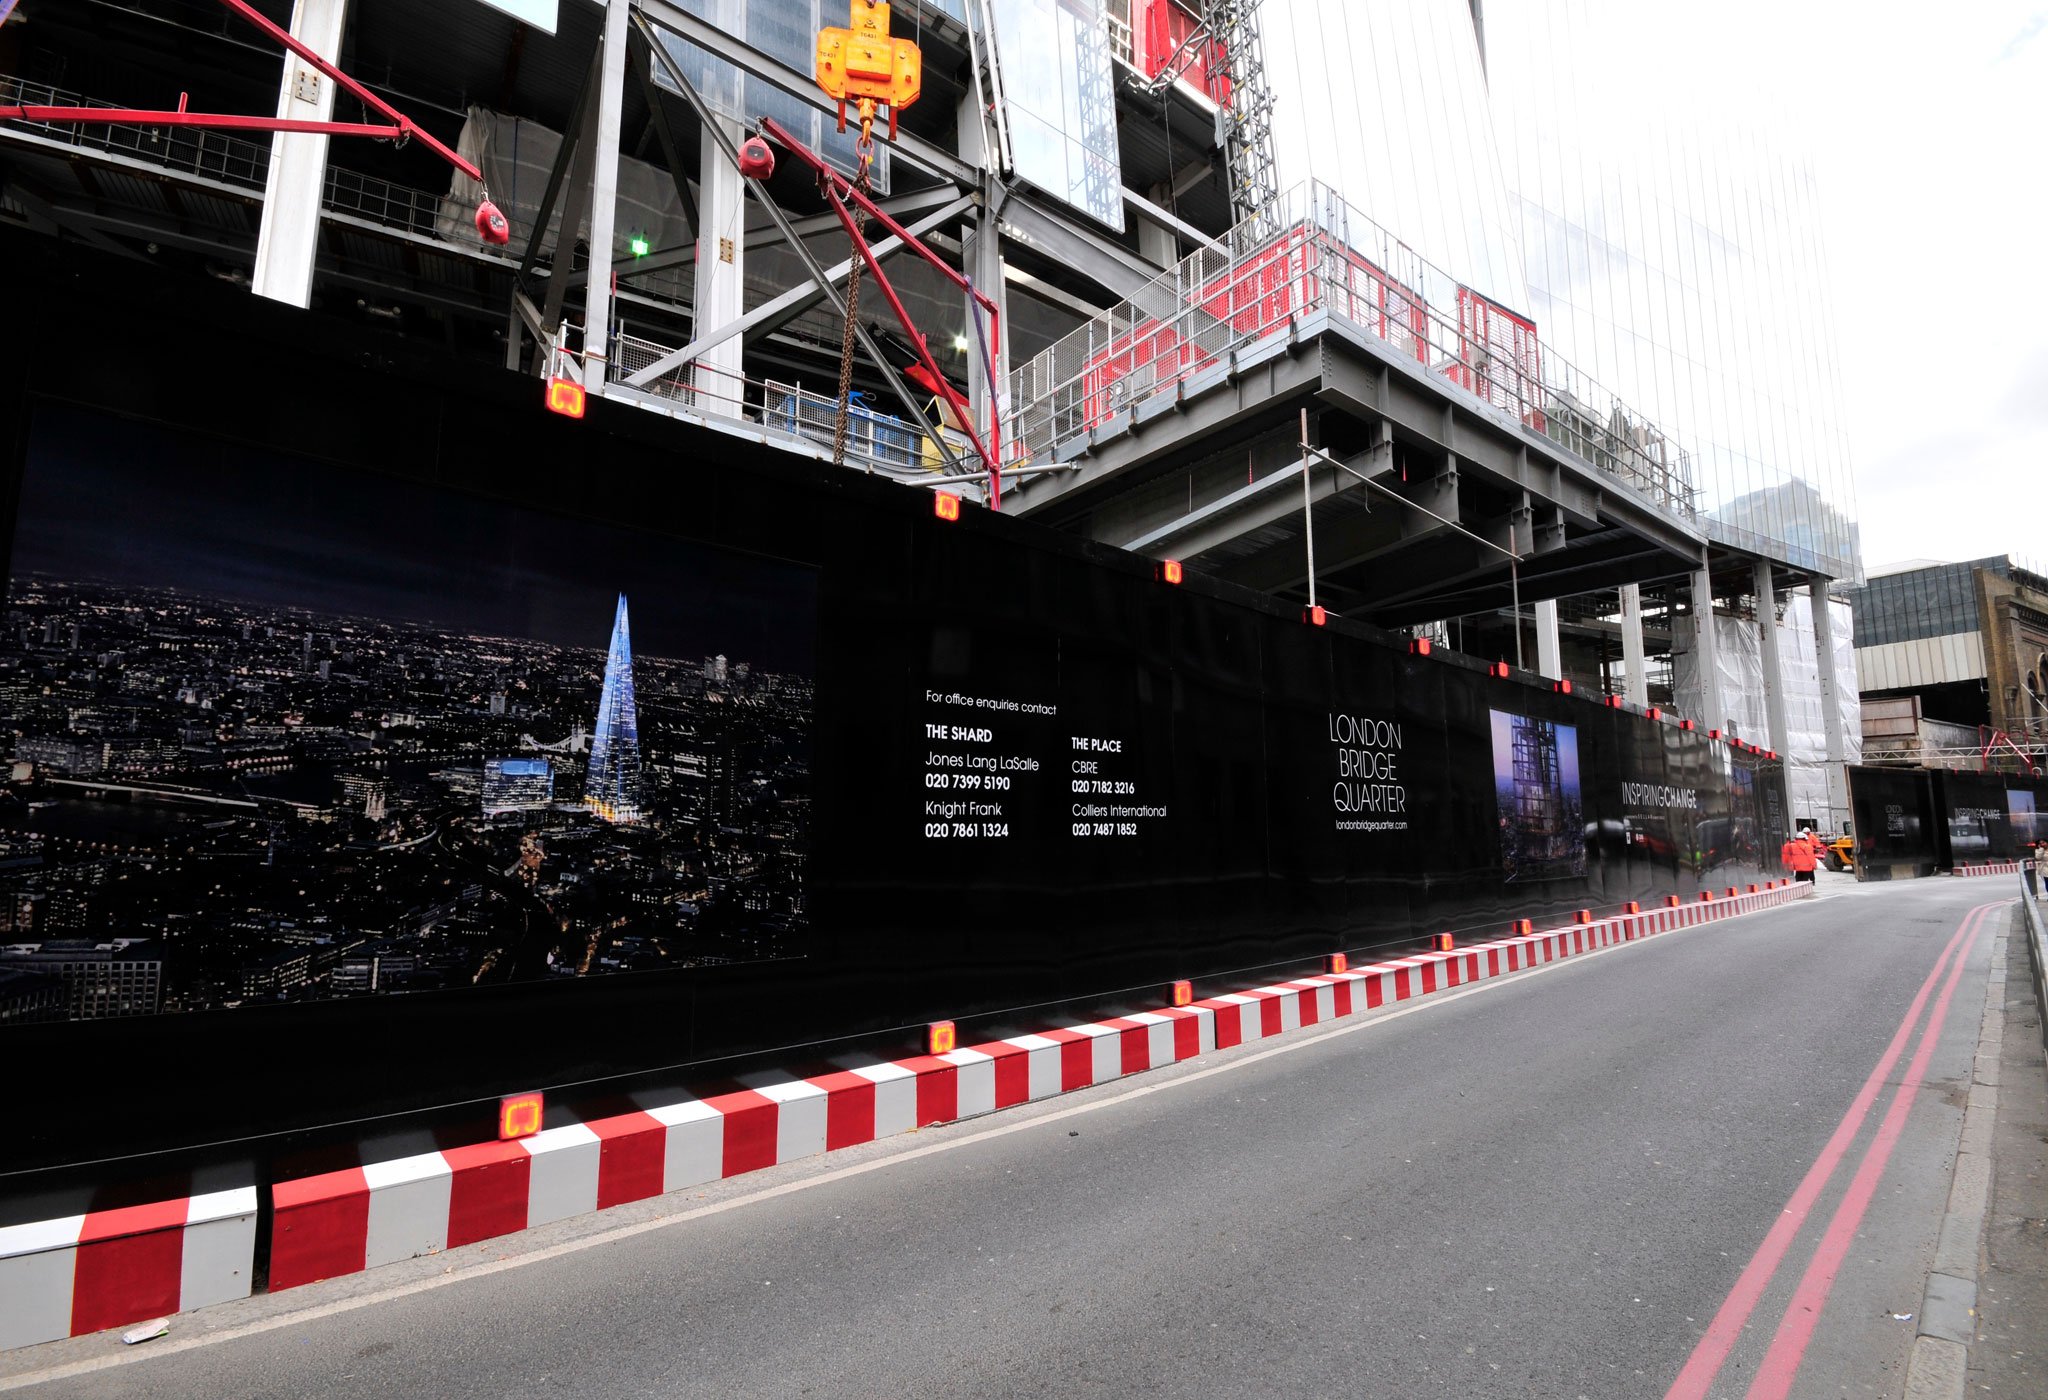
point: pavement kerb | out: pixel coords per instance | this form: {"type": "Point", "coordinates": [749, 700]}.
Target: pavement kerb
{"type": "Point", "coordinates": [399, 1207]}
{"type": "Point", "coordinates": [1939, 1364]}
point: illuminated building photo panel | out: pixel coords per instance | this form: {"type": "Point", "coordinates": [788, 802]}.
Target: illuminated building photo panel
{"type": "Point", "coordinates": [1536, 798]}
{"type": "Point", "coordinates": [283, 732]}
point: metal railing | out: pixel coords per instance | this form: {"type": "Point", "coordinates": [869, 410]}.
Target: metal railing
{"type": "Point", "coordinates": [875, 441]}
{"type": "Point", "coordinates": [1242, 293]}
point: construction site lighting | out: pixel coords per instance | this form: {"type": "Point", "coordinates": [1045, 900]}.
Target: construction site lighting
{"type": "Point", "coordinates": [1315, 616]}
{"type": "Point", "coordinates": [945, 505]}
{"type": "Point", "coordinates": [1170, 571]}
{"type": "Point", "coordinates": [1421, 646]}
{"type": "Point", "coordinates": [941, 1038]}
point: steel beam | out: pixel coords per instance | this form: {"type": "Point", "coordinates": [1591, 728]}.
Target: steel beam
{"type": "Point", "coordinates": [1549, 643]}
{"type": "Point", "coordinates": [1120, 273]}
{"type": "Point", "coordinates": [1705, 656]}
{"type": "Point", "coordinates": [1635, 675]}
{"type": "Point", "coordinates": [1765, 588]}
{"type": "Point", "coordinates": [604, 196]}
{"type": "Point", "coordinates": [289, 239]}
{"type": "Point", "coordinates": [771, 316]}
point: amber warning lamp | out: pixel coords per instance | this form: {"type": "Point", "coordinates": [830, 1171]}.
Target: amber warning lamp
{"type": "Point", "coordinates": [945, 505]}
{"type": "Point", "coordinates": [1171, 571]}
{"type": "Point", "coordinates": [519, 1115]}
{"type": "Point", "coordinates": [565, 396]}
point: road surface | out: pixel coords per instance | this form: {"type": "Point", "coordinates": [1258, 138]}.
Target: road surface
{"type": "Point", "coordinates": [1551, 1185]}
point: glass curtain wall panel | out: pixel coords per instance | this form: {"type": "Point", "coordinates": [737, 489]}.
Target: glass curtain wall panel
{"type": "Point", "coordinates": [1387, 103]}
{"type": "Point", "coordinates": [1060, 98]}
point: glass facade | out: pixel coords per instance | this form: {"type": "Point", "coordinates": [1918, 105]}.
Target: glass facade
{"type": "Point", "coordinates": [1631, 189]}
{"type": "Point", "coordinates": [1671, 243]}
{"type": "Point", "coordinates": [1386, 102]}
{"type": "Point", "coordinates": [1936, 601]}
{"type": "Point", "coordinates": [1061, 102]}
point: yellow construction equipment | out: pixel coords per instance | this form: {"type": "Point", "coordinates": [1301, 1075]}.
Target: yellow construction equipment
{"type": "Point", "coordinates": [861, 64]}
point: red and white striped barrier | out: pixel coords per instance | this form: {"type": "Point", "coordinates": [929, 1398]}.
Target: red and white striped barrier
{"type": "Point", "coordinates": [81, 1273]}
{"type": "Point", "coordinates": [345, 1221]}
{"type": "Point", "coordinates": [2003, 867]}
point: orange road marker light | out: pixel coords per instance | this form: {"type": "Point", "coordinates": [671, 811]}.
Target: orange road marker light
{"type": "Point", "coordinates": [1316, 616]}
{"type": "Point", "coordinates": [1442, 943]}
{"type": "Point", "coordinates": [1671, 901]}
{"type": "Point", "coordinates": [945, 505]}
{"type": "Point", "coordinates": [1336, 962]}
{"type": "Point", "coordinates": [1170, 571]}
{"type": "Point", "coordinates": [519, 1115]}
{"type": "Point", "coordinates": [1561, 687]}
{"type": "Point", "coordinates": [1731, 892]}
{"type": "Point", "coordinates": [941, 1038]}
{"type": "Point", "coordinates": [1632, 907]}
{"type": "Point", "coordinates": [1181, 993]}
{"type": "Point", "coordinates": [1421, 646]}
{"type": "Point", "coordinates": [1583, 916]}
{"type": "Point", "coordinates": [861, 64]}
{"type": "Point", "coordinates": [1706, 896]}
{"type": "Point", "coordinates": [1525, 926]}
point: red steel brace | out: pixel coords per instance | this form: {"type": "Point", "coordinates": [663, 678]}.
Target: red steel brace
{"type": "Point", "coordinates": [840, 191]}
{"type": "Point", "coordinates": [401, 128]}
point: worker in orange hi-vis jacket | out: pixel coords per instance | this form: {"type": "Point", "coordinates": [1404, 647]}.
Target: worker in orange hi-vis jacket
{"type": "Point", "coordinates": [1800, 857]}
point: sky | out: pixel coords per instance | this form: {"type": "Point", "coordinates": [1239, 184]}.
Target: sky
{"type": "Point", "coordinates": [1921, 126]}
{"type": "Point", "coordinates": [109, 500]}
{"type": "Point", "coordinates": [1928, 123]}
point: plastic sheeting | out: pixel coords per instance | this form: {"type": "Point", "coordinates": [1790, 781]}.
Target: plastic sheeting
{"type": "Point", "coordinates": [1738, 662]}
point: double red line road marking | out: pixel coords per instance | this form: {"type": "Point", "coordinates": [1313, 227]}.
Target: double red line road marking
{"type": "Point", "coordinates": [1788, 1345]}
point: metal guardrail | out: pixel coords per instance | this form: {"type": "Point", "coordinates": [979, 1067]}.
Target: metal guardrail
{"type": "Point", "coordinates": [2034, 925]}
{"type": "Point", "coordinates": [1242, 292]}
{"type": "Point", "coordinates": [875, 441]}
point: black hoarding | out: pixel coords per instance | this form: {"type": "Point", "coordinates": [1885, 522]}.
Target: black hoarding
{"type": "Point", "coordinates": [404, 762]}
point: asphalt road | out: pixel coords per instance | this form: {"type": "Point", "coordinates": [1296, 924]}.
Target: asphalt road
{"type": "Point", "coordinates": [1543, 1186]}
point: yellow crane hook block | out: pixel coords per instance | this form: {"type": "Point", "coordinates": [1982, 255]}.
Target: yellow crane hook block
{"type": "Point", "coordinates": [863, 65]}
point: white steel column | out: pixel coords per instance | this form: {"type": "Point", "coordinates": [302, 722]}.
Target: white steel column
{"type": "Point", "coordinates": [1766, 592]}
{"type": "Point", "coordinates": [721, 271]}
{"type": "Point", "coordinates": [289, 239]}
{"type": "Point", "coordinates": [1704, 652]}
{"type": "Point", "coordinates": [604, 198]}
{"type": "Point", "coordinates": [1549, 646]}
{"type": "Point", "coordinates": [1830, 705]}
{"type": "Point", "coordinates": [1635, 673]}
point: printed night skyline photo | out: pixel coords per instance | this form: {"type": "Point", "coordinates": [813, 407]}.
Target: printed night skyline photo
{"type": "Point", "coordinates": [338, 735]}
